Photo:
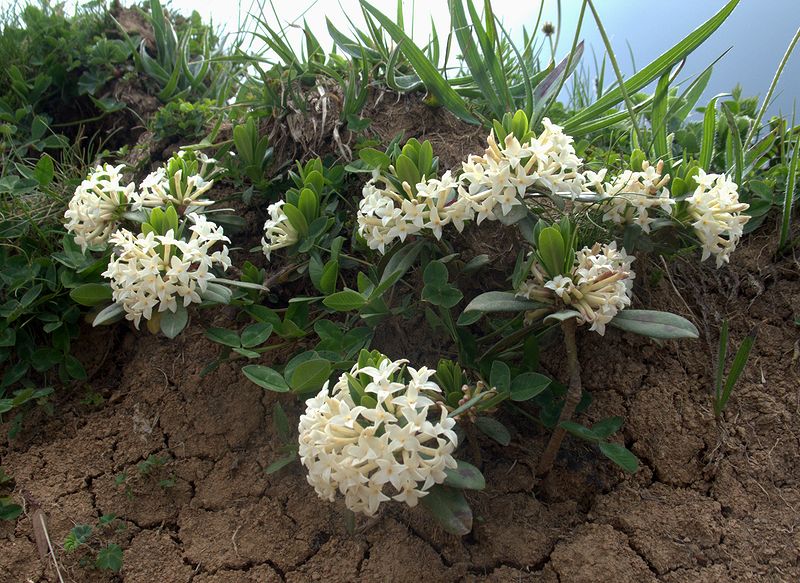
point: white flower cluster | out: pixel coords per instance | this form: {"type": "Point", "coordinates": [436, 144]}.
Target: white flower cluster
{"type": "Point", "coordinates": [99, 201]}
{"type": "Point", "coordinates": [155, 270]}
{"type": "Point", "coordinates": [384, 214]}
{"type": "Point", "coordinates": [502, 176]}
{"type": "Point", "coordinates": [628, 198]}
{"type": "Point", "coordinates": [97, 204]}
{"type": "Point", "coordinates": [599, 286]}
{"type": "Point", "coordinates": [362, 450]}
{"type": "Point", "coordinates": [278, 231]}
{"type": "Point", "coordinates": [715, 209]}
{"type": "Point", "coordinates": [158, 189]}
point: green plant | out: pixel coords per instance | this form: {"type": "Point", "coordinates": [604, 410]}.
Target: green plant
{"type": "Point", "coordinates": [56, 68]}
{"type": "Point", "coordinates": [183, 120]}
{"type": "Point", "coordinates": [39, 320]}
{"type": "Point", "coordinates": [254, 154]}
{"type": "Point", "coordinates": [89, 541]}
{"type": "Point", "coordinates": [149, 468]}
{"type": "Point", "coordinates": [723, 385]}
{"type": "Point", "coordinates": [178, 71]}
{"type": "Point", "coordinates": [9, 510]}
{"type": "Point", "coordinates": [289, 447]}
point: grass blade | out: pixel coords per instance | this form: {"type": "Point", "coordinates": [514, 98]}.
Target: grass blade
{"type": "Point", "coordinates": [739, 362]}
{"type": "Point", "coordinates": [620, 81]}
{"type": "Point", "coordinates": [655, 69]}
{"type": "Point", "coordinates": [350, 46]}
{"type": "Point", "coordinates": [547, 89]}
{"type": "Point", "coordinates": [687, 100]}
{"type": "Point", "coordinates": [755, 127]}
{"type": "Point", "coordinates": [722, 355]}
{"type": "Point", "coordinates": [788, 200]}
{"type": "Point", "coordinates": [475, 62]}
{"type": "Point", "coordinates": [735, 145]}
{"type": "Point", "coordinates": [658, 117]}
{"type": "Point", "coordinates": [608, 120]}
{"type": "Point", "coordinates": [709, 132]}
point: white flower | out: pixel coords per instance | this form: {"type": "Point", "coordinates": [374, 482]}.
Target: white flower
{"type": "Point", "coordinates": [716, 212]}
{"type": "Point", "coordinates": [278, 230]}
{"type": "Point", "coordinates": [97, 204]}
{"type": "Point", "coordinates": [503, 176]}
{"type": "Point", "coordinates": [600, 285]}
{"type": "Point", "coordinates": [150, 272]}
{"type": "Point", "coordinates": [631, 196]}
{"type": "Point", "coordinates": [159, 189]}
{"type": "Point", "coordinates": [373, 455]}
{"type": "Point", "coordinates": [385, 215]}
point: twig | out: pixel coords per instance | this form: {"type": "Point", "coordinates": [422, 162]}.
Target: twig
{"type": "Point", "coordinates": [474, 446]}
{"type": "Point", "coordinates": [571, 401]}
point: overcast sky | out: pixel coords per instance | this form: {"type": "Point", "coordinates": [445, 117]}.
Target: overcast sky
{"type": "Point", "coordinates": [757, 32]}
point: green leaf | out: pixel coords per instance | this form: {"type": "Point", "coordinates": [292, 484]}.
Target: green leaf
{"type": "Point", "coordinates": [495, 301]}
{"type": "Point", "coordinates": [494, 429]}
{"type": "Point", "coordinates": [580, 431]}
{"type": "Point", "coordinates": [654, 70]}
{"type": "Point", "coordinates": [437, 291]}
{"type": "Point", "coordinates": [658, 118]}
{"type": "Point", "coordinates": [310, 375]}
{"type": "Point", "coordinates": [79, 534]}
{"type": "Point", "coordinates": [709, 132]}
{"type": "Point", "coordinates": [173, 323]}
{"type": "Point", "coordinates": [450, 509]}
{"type": "Point", "coordinates": [91, 294]}
{"type": "Point", "coordinates": [308, 204]}
{"type": "Point", "coordinates": [621, 456]}
{"type": "Point", "coordinates": [434, 82]}
{"type": "Point", "coordinates": [464, 477]}
{"type": "Point", "coordinates": [217, 293]}
{"type": "Point", "coordinates": [108, 315]}
{"type": "Point", "coordinates": [224, 336]}
{"type": "Point", "coordinates": [466, 406]}
{"type": "Point", "coordinates": [551, 250]}
{"type": "Point", "coordinates": [330, 273]}
{"type": "Point", "coordinates": [281, 423]}
{"type": "Point", "coordinates": [407, 171]}
{"type": "Point", "coordinates": [607, 427]}
{"type": "Point", "coordinates": [280, 463]}
{"type": "Point", "coordinates": [374, 158]}
{"type": "Point", "coordinates": [74, 368]}
{"type": "Point", "coordinates": [266, 378]}
{"type": "Point", "coordinates": [528, 385]}
{"type": "Point", "coordinates": [110, 558]}
{"type": "Point", "coordinates": [655, 324]}
{"type": "Point", "coordinates": [500, 376]}
{"type": "Point", "coordinates": [8, 510]}
{"type": "Point", "coordinates": [30, 296]}
{"type": "Point", "coordinates": [546, 90]}
{"type": "Point", "coordinates": [44, 171]}
{"type": "Point", "coordinates": [788, 198]}
{"type": "Point", "coordinates": [561, 316]}
{"type": "Point", "coordinates": [735, 140]}
{"type": "Point", "coordinates": [476, 62]}
{"type": "Point", "coordinates": [296, 218]}
{"type": "Point", "coordinates": [8, 337]}
{"type": "Point", "coordinates": [256, 334]}
{"type": "Point", "coordinates": [345, 301]}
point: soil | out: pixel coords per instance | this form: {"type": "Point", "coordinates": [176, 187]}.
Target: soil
{"type": "Point", "coordinates": [713, 501]}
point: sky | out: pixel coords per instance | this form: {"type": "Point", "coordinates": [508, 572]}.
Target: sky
{"type": "Point", "coordinates": [757, 33]}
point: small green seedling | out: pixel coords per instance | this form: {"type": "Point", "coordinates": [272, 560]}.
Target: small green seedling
{"type": "Point", "coordinates": [723, 386]}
